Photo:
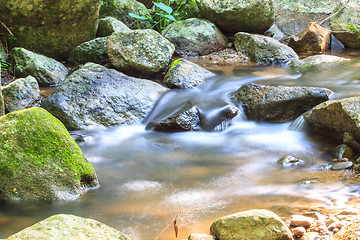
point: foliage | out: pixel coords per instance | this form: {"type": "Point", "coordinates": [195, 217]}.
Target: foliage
{"type": "Point", "coordinates": [352, 28]}
{"type": "Point", "coordinates": [4, 66]}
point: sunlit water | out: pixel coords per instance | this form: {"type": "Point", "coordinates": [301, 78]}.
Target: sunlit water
{"type": "Point", "coordinates": [150, 178]}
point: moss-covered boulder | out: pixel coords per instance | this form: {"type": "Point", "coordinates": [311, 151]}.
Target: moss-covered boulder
{"type": "Point", "coordinates": [144, 51]}
{"type": "Point", "coordinates": [194, 37]}
{"type": "Point", "coordinates": [21, 93]}
{"type": "Point", "coordinates": [39, 158]}
{"type": "Point", "coordinates": [52, 28]}
{"type": "Point", "coordinates": [317, 62]}
{"type": "Point", "coordinates": [91, 51]}
{"type": "Point", "coordinates": [69, 227]}
{"type": "Point", "coordinates": [255, 16]}
{"type": "Point", "coordinates": [108, 25]}
{"type": "Point", "coordinates": [47, 71]}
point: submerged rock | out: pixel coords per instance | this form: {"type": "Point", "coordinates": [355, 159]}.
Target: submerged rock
{"type": "Point", "coordinates": [108, 25]}
{"type": "Point", "coordinates": [318, 61]}
{"type": "Point", "coordinates": [68, 227]}
{"type": "Point", "coordinates": [21, 93]}
{"type": "Point", "coordinates": [46, 71]}
{"type": "Point", "coordinates": [343, 151]}
{"type": "Point", "coordinates": [255, 224]}
{"type": "Point", "coordinates": [95, 95]}
{"type": "Point", "coordinates": [195, 37]}
{"type": "Point", "coordinates": [339, 166]}
{"type": "Point", "coordinates": [39, 159]}
{"type": "Point", "coordinates": [92, 51]}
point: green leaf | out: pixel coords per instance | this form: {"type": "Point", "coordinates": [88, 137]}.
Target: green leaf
{"type": "Point", "coordinates": [168, 16]}
{"type": "Point", "coordinates": [137, 16]}
{"type": "Point", "coordinates": [163, 7]}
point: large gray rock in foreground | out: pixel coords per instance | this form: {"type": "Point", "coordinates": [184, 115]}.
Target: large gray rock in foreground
{"type": "Point", "coordinates": [108, 25]}
{"type": "Point", "coordinates": [100, 96]}
{"type": "Point", "coordinates": [91, 51]}
{"type": "Point", "coordinates": [69, 227]}
{"type": "Point", "coordinates": [194, 37]}
{"type": "Point", "coordinates": [46, 71]}
{"type": "Point", "coordinates": [262, 49]}
{"type": "Point", "coordinates": [239, 16]}
{"type": "Point", "coordinates": [278, 104]}
{"type": "Point", "coordinates": [316, 62]}
{"type": "Point", "coordinates": [255, 224]}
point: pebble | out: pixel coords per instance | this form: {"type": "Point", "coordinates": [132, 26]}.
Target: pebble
{"type": "Point", "coordinates": [301, 221]}
{"type": "Point", "coordinates": [299, 232]}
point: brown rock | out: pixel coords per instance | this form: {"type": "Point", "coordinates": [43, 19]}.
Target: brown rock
{"type": "Point", "coordinates": [301, 221]}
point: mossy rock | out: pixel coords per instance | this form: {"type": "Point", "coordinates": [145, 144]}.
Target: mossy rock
{"type": "Point", "coordinates": [108, 25]}
{"type": "Point", "coordinates": [91, 51]}
{"type": "Point", "coordinates": [39, 158]}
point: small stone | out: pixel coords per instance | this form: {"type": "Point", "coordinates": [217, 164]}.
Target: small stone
{"type": "Point", "coordinates": [299, 232]}
{"type": "Point", "coordinates": [290, 161]}
{"type": "Point", "coordinates": [301, 221]}
{"type": "Point", "coordinates": [349, 212]}
{"type": "Point", "coordinates": [339, 166]}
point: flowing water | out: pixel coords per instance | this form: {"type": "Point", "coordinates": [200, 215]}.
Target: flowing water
{"type": "Point", "coordinates": [148, 179]}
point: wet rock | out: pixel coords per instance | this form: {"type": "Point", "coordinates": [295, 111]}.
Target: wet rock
{"type": "Point", "coordinates": [218, 118]}
{"type": "Point", "coordinates": [345, 24]}
{"type": "Point", "coordinates": [52, 28]}
{"type": "Point", "coordinates": [139, 50]}
{"type": "Point", "coordinates": [278, 104]}
{"type": "Point", "coordinates": [45, 70]}
{"type": "Point", "coordinates": [120, 10]}
{"type": "Point", "coordinates": [39, 159]}
{"type": "Point", "coordinates": [67, 227]}
{"type": "Point", "coordinates": [290, 161]}
{"type": "Point", "coordinates": [262, 49]}
{"type": "Point", "coordinates": [313, 39]}
{"type": "Point", "coordinates": [252, 225]}
{"type": "Point", "coordinates": [92, 51]}
{"type": "Point", "coordinates": [21, 93]}
{"type": "Point", "coordinates": [343, 151]}
{"type": "Point", "coordinates": [108, 25]}
{"type": "Point", "coordinates": [339, 166]}
{"type": "Point", "coordinates": [301, 221]}
{"type": "Point", "coordinates": [317, 62]}
{"type": "Point", "coordinates": [239, 16]}
{"type": "Point", "coordinates": [101, 96]}
{"type": "Point", "coordinates": [197, 236]}
{"type": "Point", "coordinates": [349, 140]}
{"type": "Point", "coordinates": [185, 74]}
{"type": "Point", "coordinates": [194, 37]}
{"type": "Point", "coordinates": [299, 232]}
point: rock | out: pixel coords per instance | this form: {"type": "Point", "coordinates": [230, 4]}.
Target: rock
{"type": "Point", "coordinates": [343, 151]}
{"type": "Point", "coordinates": [313, 39]}
{"type": "Point", "coordinates": [46, 71]}
{"type": "Point", "coordinates": [120, 10]}
{"type": "Point", "coordinates": [349, 140]}
{"type": "Point", "coordinates": [345, 24]}
{"type": "Point", "coordinates": [108, 25]}
{"type": "Point", "coordinates": [67, 227]}
{"type": "Point", "coordinates": [301, 221]}
{"type": "Point", "coordinates": [315, 62]}
{"type": "Point", "coordinates": [290, 161]}
{"type": "Point", "coordinates": [239, 16]}
{"type": "Point", "coordinates": [184, 9]}
{"type": "Point", "coordinates": [52, 28]}
{"type": "Point", "coordinates": [217, 118]}
{"type": "Point", "coordinates": [339, 166]}
{"type": "Point", "coordinates": [298, 232]}
{"type": "Point", "coordinates": [39, 159]}
{"type": "Point", "coordinates": [92, 51]}
{"type": "Point", "coordinates": [21, 93]}
{"type": "Point", "coordinates": [251, 225]}
{"type": "Point", "coordinates": [334, 118]}
{"type": "Point", "coordinates": [349, 231]}
{"type": "Point", "coordinates": [3, 55]}
{"type": "Point", "coordinates": [185, 74]}
{"type": "Point", "coordinates": [101, 96]}
{"type": "Point", "coordinates": [139, 50]}
{"type": "Point", "coordinates": [197, 236]}
{"type": "Point", "coordinates": [262, 49]}
{"type": "Point", "coordinates": [278, 104]}
{"type": "Point", "coordinates": [195, 37]}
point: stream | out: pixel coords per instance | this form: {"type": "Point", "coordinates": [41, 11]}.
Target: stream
{"type": "Point", "coordinates": [148, 179]}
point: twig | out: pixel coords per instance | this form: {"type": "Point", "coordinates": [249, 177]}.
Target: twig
{"type": "Point", "coordinates": [335, 13]}
{"type": "Point", "coordinates": [3, 24]}
{"type": "Point", "coordinates": [77, 134]}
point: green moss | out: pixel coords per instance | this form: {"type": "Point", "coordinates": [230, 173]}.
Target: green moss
{"type": "Point", "coordinates": [175, 63]}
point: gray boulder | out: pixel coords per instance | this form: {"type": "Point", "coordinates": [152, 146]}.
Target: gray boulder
{"type": "Point", "coordinates": [101, 96]}
{"type": "Point", "coordinates": [68, 227]}
{"type": "Point", "coordinates": [278, 104]}
{"type": "Point", "coordinates": [51, 28]}
{"type": "Point", "coordinates": [262, 49]}
{"type": "Point", "coordinates": [185, 74]}
{"type": "Point", "coordinates": [255, 224]}
{"type": "Point", "coordinates": [91, 51]}
{"type": "Point", "coordinates": [239, 16]}
{"type": "Point", "coordinates": [108, 25]}
{"type": "Point", "coordinates": [47, 71]}
{"type": "Point", "coordinates": [194, 37]}
{"type": "Point", "coordinates": [21, 93]}
{"type": "Point", "coordinates": [316, 62]}
{"type": "Point", "coordinates": [144, 51]}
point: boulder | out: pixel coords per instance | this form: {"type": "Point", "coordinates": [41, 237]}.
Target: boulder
{"type": "Point", "coordinates": [335, 118]}
{"type": "Point", "coordinates": [345, 25]}
{"type": "Point", "coordinates": [52, 28]}
{"type": "Point", "coordinates": [183, 9]}
{"type": "Point", "coordinates": [120, 10]}
{"type": "Point", "coordinates": [95, 95]}
{"type": "Point", "coordinates": [21, 93]}
{"type": "Point", "coordinates": [68, 227]}
{"type": "Point", "coordinates": [46, 71]}
{"type": "Point", "coordinates": [239, 16]}
{"type": "Point", "coordinates": [255, 224]}
{"type": "Point", "coordinates": [316, 62]}
{"type": "Point", "coordinates": [108, 25]}
{"type": "Point", "coordinates": [185, 74]}
{"type": "Point", "coordinates": [278, 104]}
{"type": "Point", "coordinates": [194, 37]}
{"type": "Point", "coordinates": [197, 236]}
{"type": "Point", "coordinates": [91, 51]}
{"type": "Point", "coordinates": [340, 166]}
{"type": "Point", "coordinates": [313, 39]}
{"type": "Point", "coordinates": [144, 51]}
{"type": "Point", "coordinates": [39, 159]}
{"type": "Point", "coordinates": [262, 49]}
